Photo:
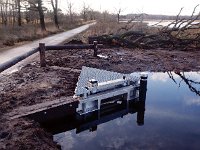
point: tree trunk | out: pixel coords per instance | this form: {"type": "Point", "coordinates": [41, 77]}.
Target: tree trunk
{"type": "Point", "coordinates": [118, 18]}
{"type": "Point", "coordinates": [19, 19]}
{"type": "Point", "coordinates": [55, 12]}
{"type": "Point", "coordinates": [13, 15]}
{"type": "Point", "coordinates": [41, 14]}
{"type": "Point", "coordinates": [4, 15]}
{"type": "Point", "coordinates": [2, 18]}
{"type": "Point", "coordinates": [56, 19]}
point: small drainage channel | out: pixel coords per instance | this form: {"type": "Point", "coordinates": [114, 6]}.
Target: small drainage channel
{"type": "Point", "coordinates": [165, 116]}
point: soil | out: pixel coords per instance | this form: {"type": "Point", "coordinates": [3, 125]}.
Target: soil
{"type": "Point", "coordinates": [33, 84]}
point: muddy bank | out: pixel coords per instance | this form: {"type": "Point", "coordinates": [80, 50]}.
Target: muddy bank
{"type": "Point", "coordinates": [128, 60]}
{"type": "Point", "coordinates": [24, 134]}
{"type": "Point", "coordinates": [27, 87]}
{"type": "Point", "coordinates": [32, 85]}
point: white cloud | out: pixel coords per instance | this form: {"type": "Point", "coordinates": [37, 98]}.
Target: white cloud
{"type": "Point", "coordinates": [193, 101]}
{"type": "Point", "coordinates": [163, 77]}
{"type": "Point", "coordinates": [65, 139]}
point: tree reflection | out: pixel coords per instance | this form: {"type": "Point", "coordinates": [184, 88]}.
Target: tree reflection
{"type": "Point", "coordinates": [189, 82]}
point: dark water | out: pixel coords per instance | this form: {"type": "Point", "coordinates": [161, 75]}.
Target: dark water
{"type": "Point", "coordinates": [171, 120]}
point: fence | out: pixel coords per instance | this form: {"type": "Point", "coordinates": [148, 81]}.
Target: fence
{"type": "Point", "coordinates": [42, 49]}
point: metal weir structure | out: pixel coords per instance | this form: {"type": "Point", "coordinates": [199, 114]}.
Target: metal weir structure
{"type": "Point", "coordinates": [97, 89]}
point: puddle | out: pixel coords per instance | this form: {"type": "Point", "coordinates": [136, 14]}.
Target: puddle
{"type": "Point", "coordinates": [103, 56]}
{"type": "Point", "coordinates": [169, 119]}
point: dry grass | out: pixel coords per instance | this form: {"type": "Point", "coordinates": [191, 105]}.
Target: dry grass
{"type": "Point", "coordinates": [112, 28]}
{"type": "Point", "coordinates": [10, 35]}
{"type": "Point", "coordinates": [102, 28]}
{"type": "Point", "coordinates": [187, 34]}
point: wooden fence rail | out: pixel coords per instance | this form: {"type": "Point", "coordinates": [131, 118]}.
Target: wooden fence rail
{"type": "Point", "coordinates": [42, 48]}
{"type": "Point", "coordinates": [15, 60]}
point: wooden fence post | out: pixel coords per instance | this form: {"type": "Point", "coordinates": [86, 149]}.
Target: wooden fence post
{"type": "Point", "coordinates": [42, 54]}
{"type": "Point", "coordinates": [95, 48]}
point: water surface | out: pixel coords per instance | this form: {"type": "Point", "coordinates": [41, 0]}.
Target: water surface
{"type": "Point", "coordinates": [171, 119]}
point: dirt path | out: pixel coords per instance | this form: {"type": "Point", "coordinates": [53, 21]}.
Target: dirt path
{"type": "Point", "coordinates": [52, 40]}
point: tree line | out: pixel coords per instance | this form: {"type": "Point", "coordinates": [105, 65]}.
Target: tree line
{"type": "Point", "coordinates": [19, 12]}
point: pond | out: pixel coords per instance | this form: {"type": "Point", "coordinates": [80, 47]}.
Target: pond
{"type": "Point", "coordinates": [162, 23]}
{"type": "Point", "coordinates": [169, 119]}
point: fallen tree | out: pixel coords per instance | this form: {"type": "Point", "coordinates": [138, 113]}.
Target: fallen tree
{"type": "Point", "coordinates": [182, 34]}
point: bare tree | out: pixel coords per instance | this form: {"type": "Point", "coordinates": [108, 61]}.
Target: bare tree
{"type": "Point", "coordinates": [19, 20]}
{"type": "Point", "coordinates": [8, 11]}
{"type": "Point", "coordinates": [183, 34]}
{"type": "Point", "coordinates": [37, 5]}
{"type": "Point", "coordinates": [4, 12]}
{"type": "Point", "coordinates": [54, 4]}
{"type": "Point", "coordinates": [118, 14]}
{"type": "Point", "coordinates": [91, 14]}
{"type": "Point", "coordinates": [41, 14]}
{"type": "Point", "coordinates": [85, 11]}
{"type": "Point", "coordinates": [12, 12]}
{"type": "Point", "coordinates": [70, 10]}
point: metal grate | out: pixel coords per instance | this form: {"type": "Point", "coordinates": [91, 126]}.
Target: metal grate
{"type": "Point", "coordinates": [88, 73]}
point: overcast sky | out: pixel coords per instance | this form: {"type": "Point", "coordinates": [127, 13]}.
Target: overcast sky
{"type": "Point", "coordinates": [165, 7]}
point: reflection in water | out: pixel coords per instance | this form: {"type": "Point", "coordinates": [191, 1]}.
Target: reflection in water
{"type": "Point", "coordinates": [171, 119]}
{"type": "Point", "coordinates": [124, 101]}
{"type": "Point", "coordinates": [192, 84]}
{"type": "Point", "coordinates": [91, 120]}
